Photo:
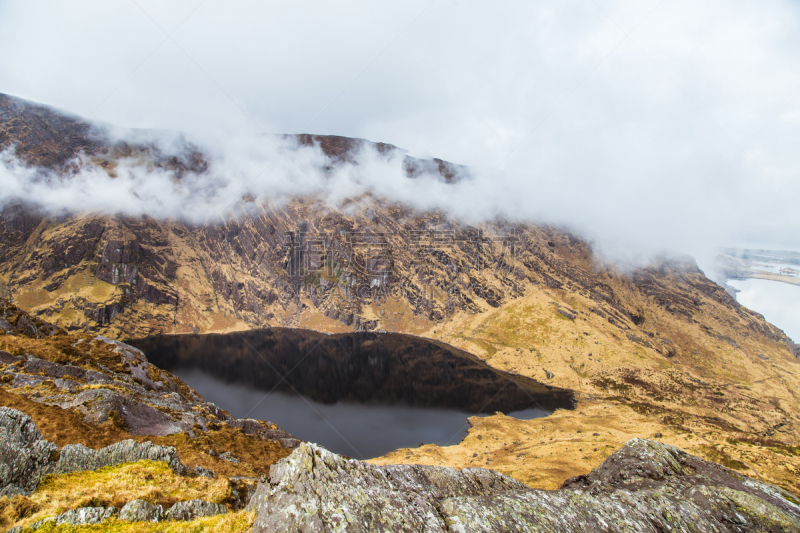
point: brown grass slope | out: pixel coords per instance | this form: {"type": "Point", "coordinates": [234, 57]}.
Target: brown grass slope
{"type": "Point", "coordinates": [660, 349]}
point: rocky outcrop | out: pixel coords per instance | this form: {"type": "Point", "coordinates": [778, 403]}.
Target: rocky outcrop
{"type": "Point", "coordinates": [77, 457]}
{"type": "Point", "coordinates": [13, 321]}
{"type": "Point", "coordinates": [191, 509]}
{"type": "Point", "coordinates": [24, 454]}
{"type": "Point", "coordinates": [316, 490]}
{"type": "Point", "coordinates": [645, 487]}
{"type": "Point", "coordinates": [86, 515]}
{"type": "Point", "coordinates": [26, 457]}
{"type": "Point", "coordinates": [75, 517]}
{"type": "Point", "coordinates": [141, 511]}
{"type": "Point", "coordinates": [133, 511]}
{"type": "Point", "coordinates": [108, 379]}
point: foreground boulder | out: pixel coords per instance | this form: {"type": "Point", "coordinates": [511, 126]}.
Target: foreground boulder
{"type": "Point", "coordinates": [646, 487]}
{"type": "Point", "coordinates": [86, 515]}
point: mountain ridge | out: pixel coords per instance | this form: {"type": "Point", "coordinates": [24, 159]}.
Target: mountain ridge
{"type": "Point", "coordinates": [661, 344]}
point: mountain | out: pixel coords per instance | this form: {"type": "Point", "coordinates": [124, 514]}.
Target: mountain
{"type": "Point", "coordinates": [654, 350]}
{"type": "Point", "coordinates": [71, 404]}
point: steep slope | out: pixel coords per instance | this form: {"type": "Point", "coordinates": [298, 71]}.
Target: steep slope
{"type": "Point", "coordinates": [88, 389]}
{"type": "Point", "coordinates": [660, 349]}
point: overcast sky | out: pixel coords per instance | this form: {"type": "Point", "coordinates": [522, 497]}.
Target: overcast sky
{"type": "Point", "coordinates": [644, 124]}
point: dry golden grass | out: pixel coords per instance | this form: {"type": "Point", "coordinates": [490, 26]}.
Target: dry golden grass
{"type": "Point", "coordinates": [239, 522]}
{"type": "Point", "coordinates": [66, 427]}
{"type": "Point", "coordinates": [63, 427]}
{"type": "Point", "coordinates": [16, 508]}
{"type": "Point", "coordinates": [544, 452]}
{"type": "Point", "coordinates": [151, 481]}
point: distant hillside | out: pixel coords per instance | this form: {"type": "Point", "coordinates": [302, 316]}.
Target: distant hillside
{"type": "Point", "coordinates": [664, 340]}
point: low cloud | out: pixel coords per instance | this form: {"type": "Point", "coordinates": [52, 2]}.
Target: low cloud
{"type": "Point", "coordinates": [643, 126]}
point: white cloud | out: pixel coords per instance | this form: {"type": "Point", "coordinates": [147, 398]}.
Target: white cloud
{"type": "Point", "coordinates": [677, 137]}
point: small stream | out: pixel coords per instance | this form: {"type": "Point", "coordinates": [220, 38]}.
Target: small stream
{"type": "Point", "coordinates": [357, 394]}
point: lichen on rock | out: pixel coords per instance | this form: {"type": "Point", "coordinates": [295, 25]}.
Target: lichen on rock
{"type": "Point", "coordinates": [191, 509]}
{"type": "Point", "coordinates": [24, 454]}
{"type": "Point", "coordinates": [645, 487]}
{"type": "Point", "coordinates": [141, 511]}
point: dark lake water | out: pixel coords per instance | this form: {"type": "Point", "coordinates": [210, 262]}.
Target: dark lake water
{"type": "Point", "coordinates": [358, 394]}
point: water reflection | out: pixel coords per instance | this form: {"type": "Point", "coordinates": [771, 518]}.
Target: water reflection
{"type": "Point", "coordinates": [359, 394]}
{"type": "Point", "coordinates": [351, 429]}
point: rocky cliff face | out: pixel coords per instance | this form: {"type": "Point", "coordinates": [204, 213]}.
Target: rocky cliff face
{"type": "Point", "coordinates": [661, 343]}
{"type": "Point", "coordinates": [646, 486]}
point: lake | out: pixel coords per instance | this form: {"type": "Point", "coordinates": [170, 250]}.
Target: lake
{"type": "Point", "coordinates": [358, 394]}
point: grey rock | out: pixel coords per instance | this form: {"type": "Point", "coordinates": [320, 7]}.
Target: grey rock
{"type": "Point", "coordinates": [6, 326]}
{"type": "Point", "coordinates": [141, 511]}
{"type": "Point", "coordinates": [86, 515]}
{"type": "Point", "coordinates": [34, 365]}
{"type": "Point", "coordinates": [191, 509]}
{"type": "Point", "coordinates": [8, 359]}
{"type": "Point", "coordinates": [76, 517]}
{"type": "Point", "coordinates": [140, 418]}
{"type": "Point", "coordinates": [203, 472]}
{"type": "Point", "coordinates": [24, 454]}
{"type": "Point", "coordinates": [566, 314]}
{"type": "Point", "coordinates": [77, 457]}
{"type": "Point", "coordinates": [26, 457]}
{"type": "Point", "coordinates": [66, 384]}
{"type": "Point", "coordinates": [316, 490]}
{"type": "Point", "coordinates": [228, 456]}
{"type": "Point", "coordinates": [289, 443]}
{"type": "Point", "coordinates": [22, 380]}
{"type": "Point", "coordinates": [644, 487]}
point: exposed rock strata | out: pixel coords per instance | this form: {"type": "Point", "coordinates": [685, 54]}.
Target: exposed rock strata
{"type": "Point", "coordinates": [646, 486]}
{"type": "Point", "coordinates": [75, 517]}
{"type": "Point", "coordinates": [77, 457]}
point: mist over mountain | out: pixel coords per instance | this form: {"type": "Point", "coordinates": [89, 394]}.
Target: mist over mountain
{"type": "Point", "coordinates": [367, 221]}
{"type": "Point", "coordinates": [644, 127]}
